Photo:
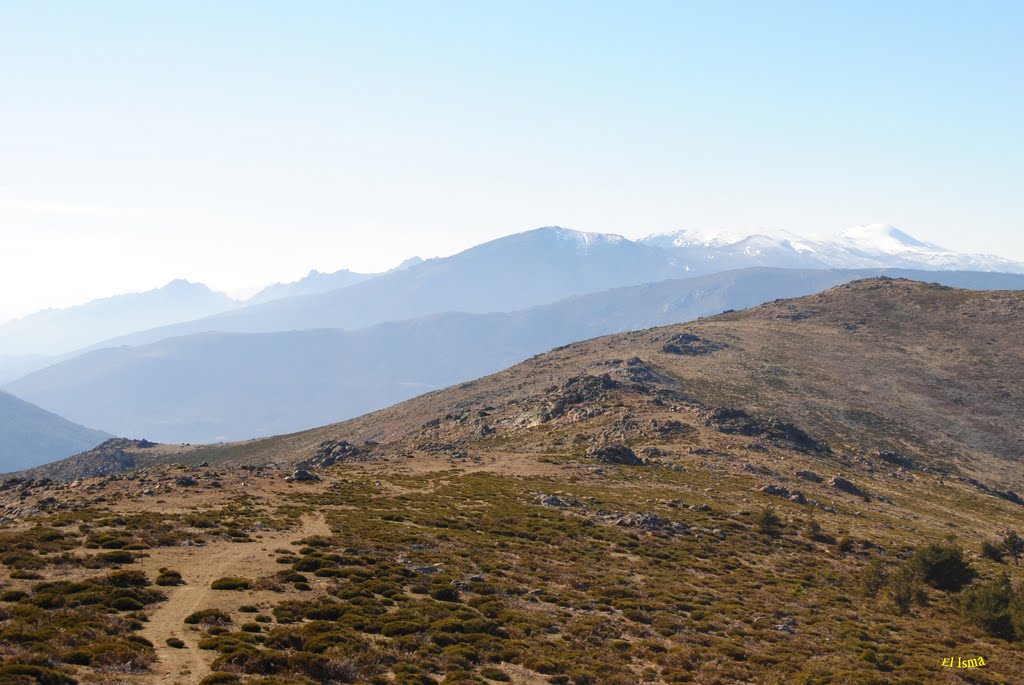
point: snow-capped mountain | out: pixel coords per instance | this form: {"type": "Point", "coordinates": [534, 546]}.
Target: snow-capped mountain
{"type": "Point", "coordinates": [874, 245]}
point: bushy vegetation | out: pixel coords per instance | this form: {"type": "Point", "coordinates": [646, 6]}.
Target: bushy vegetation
{"type": "Point", "coordinates": [467, 578]}
{"type": "Point", "coordinates": [232, 583]}
{"type": "Point", "coordinates": [78, 623]}
{"type": "Point", "coordinates": [996, 607]}
{"type": "Point", "coordinates": [942, 566]}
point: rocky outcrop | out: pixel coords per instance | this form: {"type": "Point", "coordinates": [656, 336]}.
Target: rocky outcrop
{"type": "Point", "coordinates": [690, 345]}
{"type": "Point", "coordinates": [1008, 495]}
{"type": "Point", "coordinates": [771, 430]}
{"type": "Point", "coordinates": [784, 492]}
{"type": "Point", "coordinates": [302, 476]}
{"type": "Point", "coordinates": [331, 452]}
{"type": "Point", "coordinates": [652, 523]}
{"type": "Point", "coordinates": [615, 454]}
{"type": "Point", "coordinates": [847, 486]}
{"type": "Point", "coordinates": [582, 389]}
{"type": "Point", "coordinates": [899, 460]}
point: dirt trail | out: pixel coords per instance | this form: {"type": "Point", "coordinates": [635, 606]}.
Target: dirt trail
{"type": "Point", "coordinates": [200, 566]}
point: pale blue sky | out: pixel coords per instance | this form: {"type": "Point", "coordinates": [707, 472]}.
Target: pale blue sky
{"type": "Point", "coordinates": [240, 143]}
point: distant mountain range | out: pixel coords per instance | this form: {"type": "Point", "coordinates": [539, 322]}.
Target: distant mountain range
{"type": "Point", "coordinates": [229, 386]}
{"type": "Point", "coordinates": [518, 271]}
{"type": "Point", "coordinates": [185, 364]}
{"type": "Point", "coordinates": [876, 245]}
{"type": "Point", "coordinates": [30, 436]}
{"type": "Point", "coordinates": [547, 264]}
{"type": "Point", "coordinates": [314, 282]}
{"type": "Point", "coordinates": [59, 331]}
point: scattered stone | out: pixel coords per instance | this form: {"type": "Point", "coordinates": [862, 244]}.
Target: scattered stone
{"type": "Point", "coordinates": [809, 476]}
{"type": "Point", "coordinates": [552, 501]}
{"type": "Point", "coordinates": [653, 523]}
{"type": "Point", "coordinates": [186, 482]}
{"type": "Point", "coordinates": [775, 490]}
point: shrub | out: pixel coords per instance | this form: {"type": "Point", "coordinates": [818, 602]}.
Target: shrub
{"type": "Point", "coordinates": [126, 604]}
{"type": "Point", "coordinates": [874, 577]}
{"type": "Point", "coordinates": [1013, 544]}
{"type": "Point", "coordinates": [492, 673]}
{"type": "Point", "coordinates": [128, 579]}
{"type": "Point", "coordinates": [220, 678]}
{"type": "Point", "coordinates": [32, 673]}
{"type": "Point", "coordinates": [113, 558]}
{"type": "Point", "coordinates": [992, 550]}
{"type": "Point", "coordinates": [231, 583]}
{"type": "Point", "coordinates": [175, 642]}
{"type": "Point", "coordinates": [812, 530]}
{"type": "Point", "coordinates": [904, 588]}
{"type": "Point", "coordinates": [942, 566]}
{"type": "Point", "coordinates": [845, 544]}
{"type": "Point", "coordinates": [768, 522]}
{"type": "Point", "coordinates": [168, 578]}
{"type": "Point", "coordinates": [987, 605]}
{"type": "Point", "coordinates": [208, 617]}
{"type": "Point", "coordinates": [445, 593]}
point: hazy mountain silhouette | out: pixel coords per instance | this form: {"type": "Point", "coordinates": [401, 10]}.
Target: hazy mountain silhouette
{"type": "Point", "coordinates": [313, 283]}
{"type": "Point", "coordinates": [30, 436]}
{"type": "Point", "coordinates": [58, 331]}
{"type": "Point", "coordinates": [518, 271]}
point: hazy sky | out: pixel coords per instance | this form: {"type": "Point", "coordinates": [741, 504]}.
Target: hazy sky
{"type": "Point", "coordinates": [240, 143]}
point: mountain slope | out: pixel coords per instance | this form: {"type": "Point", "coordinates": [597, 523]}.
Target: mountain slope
{"type": "Point", "coordinates": [234, 386]}
{"type": "Point", "coordinates": [930, 372]}
{"type": "Point", "coordinates": [30, 435]}
{"type": "Point", "coordinates": [58, 331]}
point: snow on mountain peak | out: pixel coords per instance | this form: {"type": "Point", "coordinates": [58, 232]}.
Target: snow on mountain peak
{"type": "Point", "coordinates": [884, 238]}
{"type": "Point", "coordinates": [583, 239]}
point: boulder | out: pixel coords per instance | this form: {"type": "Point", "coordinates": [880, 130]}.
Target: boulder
{"type": "Point", "coordinates": [551, 501]}
{"type": "Point", "coordinates": [840, 483]}
{"type": "Point", "coordinates": [616, 454]}
{"type": "Point", "coordinates": [302, 476]}
{"type": "Point", "coordinates": [809, 476]}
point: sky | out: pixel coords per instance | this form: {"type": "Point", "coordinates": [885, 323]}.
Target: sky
{"type": "Point", "coordinates": [243, 143]}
